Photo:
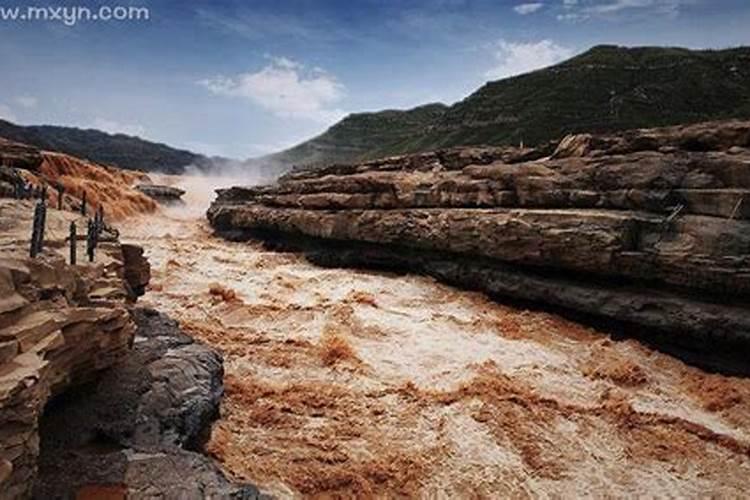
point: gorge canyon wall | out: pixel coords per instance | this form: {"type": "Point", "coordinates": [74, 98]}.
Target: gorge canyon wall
{"type": "Point", "coordinates": [646, 227]}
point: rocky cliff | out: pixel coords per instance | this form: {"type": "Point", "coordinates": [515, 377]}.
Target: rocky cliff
{"type": "Point", "coordinates": [102, 186]}
{"type": "Point", "coordinates": [647, 227]}
{"type": "Point", "coordinates": [60, 326]}
{"type": "Point", "coordinates": [97, 399]}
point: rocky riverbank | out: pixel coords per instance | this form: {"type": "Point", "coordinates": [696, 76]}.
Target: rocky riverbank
{"type": "Point", "coordinates": [61, 325]}
{"type": "Point", "coordinates": [344, 383]}
{"type": "Point", "coordinates": [97, 398]}
{"type": "Point", "coordinates": [646, 227]}
{"type": "Point", "coordinates": [139, 428]}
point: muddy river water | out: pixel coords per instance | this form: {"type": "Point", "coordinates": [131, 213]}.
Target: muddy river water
{"type": "Point", "coordinates": [344, 383]}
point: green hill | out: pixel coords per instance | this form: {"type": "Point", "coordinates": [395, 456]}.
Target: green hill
{"type": "Point", "coordinates": [365, 135]}
{"type": "Point", "coordinates": [112, 149]}
{"type": "Point", "coordinates": [607, 88]}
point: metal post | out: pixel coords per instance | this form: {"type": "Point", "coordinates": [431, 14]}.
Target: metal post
{"type": "Point", "coordinates": [91, 240]}
{"type": "Point", "coordinates": [42, 225]}
{"type": "Point", "coordinates": [37, 230]}
{"type": "Point", "coordinates": [73, 243]}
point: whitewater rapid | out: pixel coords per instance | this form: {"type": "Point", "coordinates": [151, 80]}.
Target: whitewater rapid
{"type": "Point", "coordinates": [343, 382]}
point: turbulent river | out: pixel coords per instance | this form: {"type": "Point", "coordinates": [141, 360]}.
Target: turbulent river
{"type": "Point", "coordinates": [356, 383]}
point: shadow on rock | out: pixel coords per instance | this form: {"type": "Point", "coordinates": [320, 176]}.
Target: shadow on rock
{"type": "Point", "coordinates": [137, 431]}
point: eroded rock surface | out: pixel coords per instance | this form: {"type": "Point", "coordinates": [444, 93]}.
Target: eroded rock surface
{"type": "Point", "coordinates": [166, 195]}
{"type": "Point", "coordinates": [136, 427]}
{"type": "Point", "coordinates": [60, 327]}
{"type": "Point", "coordinates": [647, 226]}
{"type": "Point", "coordinates": [17, 155]}
{"type": "Point", "coordinates": [102, 186]}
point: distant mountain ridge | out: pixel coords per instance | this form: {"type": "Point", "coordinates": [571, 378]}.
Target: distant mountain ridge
{"type": "Point", "coordinates": [119, 150]}
{"type": "Point", "coordinates": [607, 88]}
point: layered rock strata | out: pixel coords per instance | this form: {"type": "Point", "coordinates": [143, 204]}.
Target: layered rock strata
{"type": "Point", "coordinates": [648, 227]}
{"type": "Point", "coordinates": [165, 195]}
{"type": "Point", "coordinates": [75, 179]}
{"type": "Point", "coordinates": [60, 326]}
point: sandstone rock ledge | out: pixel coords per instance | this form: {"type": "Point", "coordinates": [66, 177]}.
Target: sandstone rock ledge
{"type": "Point", "coordinates": [647, 227]}
{"type": "Point", "coordinates": [64, 328]}
{"type": "Point", "coordinates": [60, 326]}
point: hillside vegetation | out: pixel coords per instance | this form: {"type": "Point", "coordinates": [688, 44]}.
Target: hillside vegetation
{"type": "Point", "coordinates": [110, 149]}
{"type": "Point", "coordinates": [604, 89]}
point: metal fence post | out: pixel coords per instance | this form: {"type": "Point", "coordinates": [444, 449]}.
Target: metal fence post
{"type": "Point", "coordinates": [37, 230]}
{"type": "Point", "coordinates": [73, 243]}
{"type": "Point", "coordinates": [42, 225]}
{"type": "Point", "coordinates": [91, 240]}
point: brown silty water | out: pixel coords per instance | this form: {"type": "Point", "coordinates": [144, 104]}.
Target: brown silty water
{"type": "Point", "coordinates": [344, 383]}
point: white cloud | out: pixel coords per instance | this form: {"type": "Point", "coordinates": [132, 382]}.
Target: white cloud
{"type": "Point", "coordinates": [578, 11]}
{"type": "Point", "coordinates": [287, 89]}
{"type": "Point", "coordinates": [7, 114]}
{"type": "Point", "coordinates": [618, 5]}
{"type": "Point", "coordinates": [516, 58]}
{"type": "Point", "coordinates": [114, 127]}
{"type": "Point", "coordinates": [27, 101]}
{"type": "Point", "coordinates": [571, 17]}
{"type": "Point", "coordinates": [528, 8]}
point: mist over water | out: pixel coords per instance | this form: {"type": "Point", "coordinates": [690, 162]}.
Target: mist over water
{"type": "Point", "coordinates": [200, 187]}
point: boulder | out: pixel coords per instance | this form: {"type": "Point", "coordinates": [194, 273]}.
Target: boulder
{"type": "Point", "coordinates": [165, 195]}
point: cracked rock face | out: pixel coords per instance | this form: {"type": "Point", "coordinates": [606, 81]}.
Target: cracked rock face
{"type": "Point", "coordinates": [60, 327]}
{"type": "Point", "coordinates": [138, 425]}
{"type": "Point", "coordinates": [650, 227]}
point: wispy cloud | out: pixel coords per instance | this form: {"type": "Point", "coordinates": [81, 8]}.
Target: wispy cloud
{"type": "Point", "coordinates": [286, 88]}
{"type": "Point", "coordinates": [514, 58]}
{"type": "Point", "coordinates": [575, 10]}
{"type": "Point", "coordinates": [528, 8]}
{"type": "Point", "coordinates": [255, 24]}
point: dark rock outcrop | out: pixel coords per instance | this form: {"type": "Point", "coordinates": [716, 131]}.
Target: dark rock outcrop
{"type": "Point", "coordinates": [165, 195]}
{"type": "Point", "coordinates": [647, 227]}
{"type": "Point", "coordinates": [139, 425]}
{"type": "Point", "coordinates": [17, 155]}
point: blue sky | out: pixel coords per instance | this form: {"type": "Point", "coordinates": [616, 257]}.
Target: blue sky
{"type": "Point", "coordinates": [245, 78]}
